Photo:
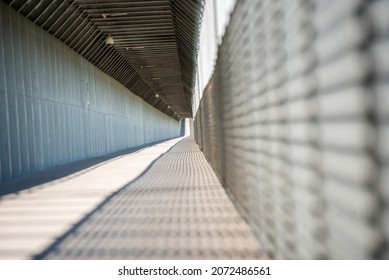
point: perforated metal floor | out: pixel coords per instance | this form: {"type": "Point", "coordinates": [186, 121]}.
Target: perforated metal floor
{"type": "Point", "coordinates": [176, 210]}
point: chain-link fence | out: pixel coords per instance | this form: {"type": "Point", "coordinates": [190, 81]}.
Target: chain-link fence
{"type": "Point", "coordinates": [295, 123]}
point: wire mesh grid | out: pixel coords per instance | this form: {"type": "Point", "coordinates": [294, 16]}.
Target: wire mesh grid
{"type": "Point", "coordinates": [294, 121]}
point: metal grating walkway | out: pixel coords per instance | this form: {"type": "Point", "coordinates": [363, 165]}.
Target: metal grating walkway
{"type": "Point", "coordinates": [176, 209]}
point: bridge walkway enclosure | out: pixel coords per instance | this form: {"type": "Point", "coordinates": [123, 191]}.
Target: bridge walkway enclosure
{"type": "Point", "coordinates": [288, 157]}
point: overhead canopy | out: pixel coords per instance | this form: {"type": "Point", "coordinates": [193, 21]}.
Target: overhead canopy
{"type": "Point", "coordinates": [154, 47]}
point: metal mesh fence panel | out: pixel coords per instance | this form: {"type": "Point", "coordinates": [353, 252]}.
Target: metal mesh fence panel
{"type": "Point", "coordinates": [295, 123]}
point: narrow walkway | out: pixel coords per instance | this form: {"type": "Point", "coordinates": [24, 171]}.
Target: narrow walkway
{"type": "Point", "coordinates": [176, 209]}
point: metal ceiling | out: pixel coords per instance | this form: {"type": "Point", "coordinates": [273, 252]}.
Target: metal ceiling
{"type": "Point", "coordinates": [155, 42]}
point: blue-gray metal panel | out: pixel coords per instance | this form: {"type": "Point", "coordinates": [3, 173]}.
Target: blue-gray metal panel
{"type": "Point", "coordinates": [56, 107]}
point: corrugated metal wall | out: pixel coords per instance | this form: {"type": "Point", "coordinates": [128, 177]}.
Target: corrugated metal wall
{"type": "Point", "coordinates": [55, 107]}
{"type": "Point", "coordinates": [295, 122]}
